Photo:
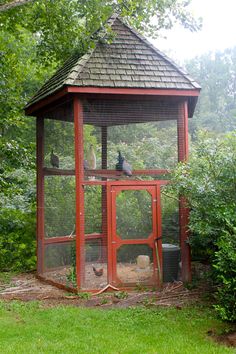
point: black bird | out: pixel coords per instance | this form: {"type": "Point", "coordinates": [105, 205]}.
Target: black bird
{"type": "Point", "coordinates": [123, 165]}
{"type": "Point", "coordinates": [86, 165]}
{"type": "Point", "coordinates": [98, 272]}
{"type": "Point", "coordinates": [54, 159]}
{"type": "Point", "coordinates": [119, 164]}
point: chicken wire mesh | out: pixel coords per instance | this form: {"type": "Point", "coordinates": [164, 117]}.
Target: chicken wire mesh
{"type": "Point", "coordinates": [146, 146]}
{"type": "Point", "coordinates": [135, 265]}
{"type": "Point", "coordinates": [145, 133]}
{"type": "Point", "coordinates": [59, 206]}
{"type": "Point", "coordinates": [170, 216]}
{"type": "Point", "coordinates": [58, 144]}
{"type": "Point", "coordinates": [134, 214]}
{"type": "Point", "coordinates": [59, 203]}
{"type": "Point", "coordinates": [170, 235]}
{"type": "Point", "coordinates": [60, 263]}
{"type": "Point", "coordinates": [95, 252]}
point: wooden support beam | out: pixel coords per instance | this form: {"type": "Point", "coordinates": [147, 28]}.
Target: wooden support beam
{"type": "Point", "coordinates": [79, 177]}
{"type": "Point", "coordinates": [114, 174]}
{"type": "Point", "coordinates": [57, 172]}
{"type": "Point", "coordinates": [59, 239]}
{"type": "Point", "coordinates": [104, 195]}
{"type": "Point", "coordinates": [182, 126]}
{"type": "Point", "coordinates": [40, 195]}
{"type": "Point", "coordinates": [63, 239]}
{"type": "Point", "coordinates": [104, 173]}
{"type": "Point", "coordinates": [133, 91]}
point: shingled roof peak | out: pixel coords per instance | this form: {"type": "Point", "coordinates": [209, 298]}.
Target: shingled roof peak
{"type": "Point", "coordinates": [159, 52]}
{"type": "Point", "coordinates": [129, 61]}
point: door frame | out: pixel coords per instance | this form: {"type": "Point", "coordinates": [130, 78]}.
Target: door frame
{"type": "Point", "coordinates": [113, 189]}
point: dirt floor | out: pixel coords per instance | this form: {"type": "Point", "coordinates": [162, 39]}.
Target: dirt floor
{"type": "Point", "coordinates": [126, 272]}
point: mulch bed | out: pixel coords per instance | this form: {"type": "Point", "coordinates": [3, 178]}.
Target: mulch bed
{"type": "Point", "coordinates": [26, 287]}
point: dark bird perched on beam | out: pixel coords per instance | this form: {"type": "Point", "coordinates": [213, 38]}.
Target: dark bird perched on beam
{"type": "Point", "coordinates": [54, 159]}
{"type": "Point", "coordinates": [98, 272]}
{"type": "Point", "coordinates": [123, 165]}
{"type": "Point", "coordinates": [86, 165]}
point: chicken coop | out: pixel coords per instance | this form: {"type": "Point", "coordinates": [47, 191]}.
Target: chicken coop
{"type": "Point", "coordinates": [111, 125]}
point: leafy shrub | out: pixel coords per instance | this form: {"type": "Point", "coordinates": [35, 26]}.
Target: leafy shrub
{"type": "Point", "coordinates": [17, 240]}
{"type": "Point", "coordinates": [225, 266]}
{"type": "Point", "coordinates": [208, 183]}
{"type": "Point", "coordinates": [17, 208]}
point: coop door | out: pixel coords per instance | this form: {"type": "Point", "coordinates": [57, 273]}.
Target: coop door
{"type": "Point", "coordinates": [135, 224]}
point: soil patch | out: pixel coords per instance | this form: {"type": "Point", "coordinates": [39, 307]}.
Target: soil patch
{"type": "Point", "coordinates": [26, 287]}
{"type": "Point", "coordinates": [126, 272]}
{"type": "Point", "coordinates": [228, 339]}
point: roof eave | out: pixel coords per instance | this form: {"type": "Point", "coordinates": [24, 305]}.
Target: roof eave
{"type": "Point", "coordinates": [191, 95]}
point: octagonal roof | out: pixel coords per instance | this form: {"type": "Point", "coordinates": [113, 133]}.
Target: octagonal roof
{"type": "Point", "coordinates": [129, 61]}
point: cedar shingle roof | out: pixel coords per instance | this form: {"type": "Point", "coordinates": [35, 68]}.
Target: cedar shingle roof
{"type": "Point", "coordinates": [130, 61]}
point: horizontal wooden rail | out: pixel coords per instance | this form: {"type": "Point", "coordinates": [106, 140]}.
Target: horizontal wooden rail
{"type": "Point", "coordinates": [59, 239]}
{"type": "Point", "coordinates": [103, 173]}
{"type": "Point", "coordinates": [111, 173]}
{"type": "Point", "coordinates": [64, 239]}
{"type": "Point", "coordinates": [57, 172]}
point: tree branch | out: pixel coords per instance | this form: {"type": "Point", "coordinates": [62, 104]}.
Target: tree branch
{"type": "Point", "coordinates": [12, 4]}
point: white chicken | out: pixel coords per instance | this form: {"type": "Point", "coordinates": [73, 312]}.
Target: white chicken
{"type": "Point", "coordinates": [91, 158]}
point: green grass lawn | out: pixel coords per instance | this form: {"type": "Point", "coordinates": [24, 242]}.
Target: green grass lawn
{"type": "Point", "coordinates": [29, 328]}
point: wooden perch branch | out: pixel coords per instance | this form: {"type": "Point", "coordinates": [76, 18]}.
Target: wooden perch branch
{"type": "Point", "coordinates": [12, 4]}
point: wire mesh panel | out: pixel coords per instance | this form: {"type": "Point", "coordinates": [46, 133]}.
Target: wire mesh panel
{"type": "Point", "coordinates": [95, 239]}
{"type": "Point", "coordinates": [170, 216]}
{"type": "Point", "coordinates": [149, 145]}
{"type": "Point", "coordinates": [58, 141]}
{"type": "Point", "coordinates": [145, 146]}
{"type": "Point", "coordinates": [133, 214]}
{"type": "Point", "coordinates": [170, 235]}
{"type": "Point", "coordinates": [59, 202]}
{"type": "Point", "coordinates": [59, 207]}
{"type": "Point", "coordinates": [135, 264]}
{"type": "Point", "coordinates": [59, 217]}
{"type": "Point", "coordinates": [108, 112]}
{"type": "Point", "coordinates": [59, 263]}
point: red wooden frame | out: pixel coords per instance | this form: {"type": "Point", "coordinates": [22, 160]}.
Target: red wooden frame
{"type": "Point", "coordinates": [182, 127]}
{"type": "Point", "coordinates": [40, 194]}
{"type": "Point", "coordinates": [115, 242]}
{"type": "Point", "coordinates": [109, 188]}
{"type": "Point", "coordinates": [104, 193]}
{"type": "Point", "coordinates": [79, 177]}
{"type": "Point", "coordinates": [108, 91]}
{"type": "Point", "coordinates": [132, 91]}
{"type": "Point", "coordinates": [103, 173]}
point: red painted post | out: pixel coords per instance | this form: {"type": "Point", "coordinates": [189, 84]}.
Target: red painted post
{"type": "Point", "coordinates": [110, 276]}
{"type": "Point", "coordinates": [79, 179]}
{"type": "Point", "coordinates": [182, 127]}
{"type": "Point", "coordinates": [159, 235]}
{"type": "Point", "coordinates": [104, 195]}
{"type": "Point", "coordinates": [40, 195]}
